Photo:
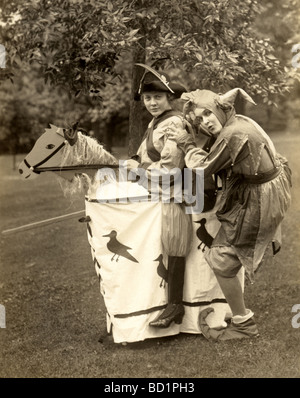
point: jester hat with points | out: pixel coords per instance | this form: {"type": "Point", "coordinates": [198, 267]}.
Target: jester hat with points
{"type": "Point", "coordinates": [221, 105]}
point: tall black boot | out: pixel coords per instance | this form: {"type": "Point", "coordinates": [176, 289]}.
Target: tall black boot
{"type": "Point", "coordinates": [174, 311]}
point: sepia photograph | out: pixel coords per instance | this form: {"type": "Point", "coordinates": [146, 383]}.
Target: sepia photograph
{"type": "Point", "coordinates": [149, 182]}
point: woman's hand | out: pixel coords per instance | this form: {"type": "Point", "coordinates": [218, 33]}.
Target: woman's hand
{"type": "Point", "coordinates": [191, 118]}
{"type": "Point", "coordinates": [180, 136]}
{"type": "Point", "coordinates": [131, 164]}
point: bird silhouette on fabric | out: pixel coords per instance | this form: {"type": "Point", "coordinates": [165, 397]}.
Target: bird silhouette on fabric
{"type": "Point", "coordinates": [118, 248]}
{"type": "Point", "coordinates": [162, 270]}
{"type": "Point", "coordinates": [205, 238]}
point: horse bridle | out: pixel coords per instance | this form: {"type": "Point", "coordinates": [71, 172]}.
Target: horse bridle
{"type": "Point", "coordinates": [36, 166]}
{"type": "Point", "coordinates": [37, 169]}
{"type": "Point", "coordinates": [69, 139]}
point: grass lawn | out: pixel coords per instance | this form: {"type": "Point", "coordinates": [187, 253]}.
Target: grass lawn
{"type": "Point", "coordinates": [55, 314]}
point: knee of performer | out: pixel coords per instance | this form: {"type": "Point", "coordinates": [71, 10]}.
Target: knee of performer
{"type": "Point", "coordinates": [223, 262]}
{"type": "Point", "coordinates": [225, 272]}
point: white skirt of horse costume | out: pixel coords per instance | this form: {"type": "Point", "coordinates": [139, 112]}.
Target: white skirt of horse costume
{"type": "Point", "coordinates": [129, 261]}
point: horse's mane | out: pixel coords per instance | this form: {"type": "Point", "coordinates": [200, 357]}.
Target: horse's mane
{"type": "Point", "coordinates": [87, 151]}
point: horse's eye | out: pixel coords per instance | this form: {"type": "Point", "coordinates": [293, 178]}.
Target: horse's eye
{"type": "Point", "coordinates": [50, 146]}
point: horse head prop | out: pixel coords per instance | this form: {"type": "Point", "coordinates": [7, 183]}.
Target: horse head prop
{"type": "Point", "coordinates": [61, 150]}
{"type": "Point", "coordinates": [81, 161]}
{"type": "Point", "coordinates": [47, 152]}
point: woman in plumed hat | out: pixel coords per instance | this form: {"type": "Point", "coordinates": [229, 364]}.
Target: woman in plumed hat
{"type": "Point", "coordinates": [157, 153]}
{"type": "Point", "coordinates": [256, 184]}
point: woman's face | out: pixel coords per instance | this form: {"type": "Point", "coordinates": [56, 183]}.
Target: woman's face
{"type": "Point", "coordinates": [156, 102]}
{"type": "Point", "coordinates": [209, 120]}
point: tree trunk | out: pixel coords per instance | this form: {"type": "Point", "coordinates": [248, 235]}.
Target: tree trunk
{"type": "Point", "coordinates": [135, 115]}
{"type": "Point", "coordinates": [107, 134]}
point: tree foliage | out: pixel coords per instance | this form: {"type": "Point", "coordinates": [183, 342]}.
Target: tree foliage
{"type": "Point", "coordinates": [29, 105]}
{"type": "Point", "coordinates": [90, 47]}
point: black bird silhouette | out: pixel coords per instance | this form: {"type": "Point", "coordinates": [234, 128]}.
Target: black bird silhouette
{"type": "Point", "coordinates": [205, 238]}
{"type": "Point", "coordinates": [118, 248]}
{"type": "Point", "coordinates": [162, 270]}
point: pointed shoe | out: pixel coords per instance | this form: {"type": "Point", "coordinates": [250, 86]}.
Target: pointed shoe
{"type": "Point", "coordinates": [173, 313]}
{"type": "Point", "coordinates": [247, 329]}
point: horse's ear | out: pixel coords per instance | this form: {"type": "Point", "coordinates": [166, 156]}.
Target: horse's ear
{"type": "Point", "coordinates": [71, 134]}
{"type": "Point", "coordinates": [75, 125]}
{"type": "Point", "coordinates": [52, 126]}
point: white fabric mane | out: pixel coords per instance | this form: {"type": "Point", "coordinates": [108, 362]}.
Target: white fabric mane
{"type": "Point", "coordinates": [85, 151]}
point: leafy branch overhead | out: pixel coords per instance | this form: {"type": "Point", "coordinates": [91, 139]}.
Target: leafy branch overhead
{"type": "Point", "coordinates": [78, 43]}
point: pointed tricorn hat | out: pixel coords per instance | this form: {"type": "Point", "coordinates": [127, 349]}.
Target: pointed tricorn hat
{"type": "Point", "coordinates": [153, 80]}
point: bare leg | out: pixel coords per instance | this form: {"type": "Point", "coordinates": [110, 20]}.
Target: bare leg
{"type": "Point", "coordinates": [233, 293]}
{"type": "Point", "coordinates": [242, 324]}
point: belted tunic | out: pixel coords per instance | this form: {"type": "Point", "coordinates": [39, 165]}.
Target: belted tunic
{"type": "Point", "coordinates": [256, 183]}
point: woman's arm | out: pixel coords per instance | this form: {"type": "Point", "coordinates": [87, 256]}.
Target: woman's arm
{"type": "Point", "coordinates": [217, 159]}
{"type": "Point", "coordinates": [171, 156]}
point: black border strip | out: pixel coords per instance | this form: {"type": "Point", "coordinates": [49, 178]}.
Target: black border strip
{"type": "Point", "coordinates": [187, 304]}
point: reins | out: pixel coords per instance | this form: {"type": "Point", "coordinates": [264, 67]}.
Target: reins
{"type": "Point", "coordinates": [75, 167]}
{"type": "Point", "coordinates": [37, 169]}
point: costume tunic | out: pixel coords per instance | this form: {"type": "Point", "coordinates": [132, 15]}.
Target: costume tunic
{"type": "Point", "coordinates": [256, 183]}
{"type": "Point", "coordinates": [157, 153]}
